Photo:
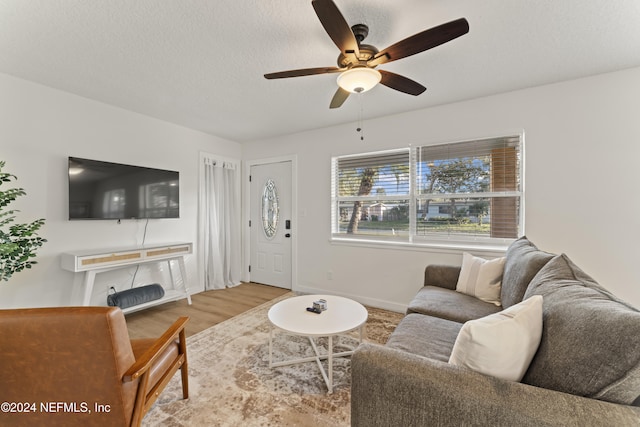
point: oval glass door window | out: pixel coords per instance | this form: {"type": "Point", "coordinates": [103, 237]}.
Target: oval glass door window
{"type": "Point", "coordinates": [270, 209]}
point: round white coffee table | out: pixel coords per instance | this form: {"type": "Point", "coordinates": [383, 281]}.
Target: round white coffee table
{"type": "Point", "coordinates": [342, 315]}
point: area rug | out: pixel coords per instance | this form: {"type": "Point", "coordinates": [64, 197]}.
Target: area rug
{"type": "Point", "coordinates": [231, 384]}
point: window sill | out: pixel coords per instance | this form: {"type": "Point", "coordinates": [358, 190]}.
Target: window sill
{"type": "Point", "coordinates": [491, 249]}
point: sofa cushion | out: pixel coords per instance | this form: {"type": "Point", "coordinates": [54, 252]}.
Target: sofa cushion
{"type": "Point", "coordinates": [524, 260]}
{"type": "Point", "coordinates": [425, 336]}
{"type": "Point", "coordinates": [590, 339]}
{"type": "Point", "coordinates": [449, 304]}
{"type": "Point", "coordinates": [444, 276]}
{"type": "Point", "coordinates": [501, 344]}
{"type": "Point", "coordinates": [481, 278]}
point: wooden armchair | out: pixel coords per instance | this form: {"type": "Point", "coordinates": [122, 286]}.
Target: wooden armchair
{"type": "Point", "coordinates": [77, 366]}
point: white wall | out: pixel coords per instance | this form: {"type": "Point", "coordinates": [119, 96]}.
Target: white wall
{"type": "Point", "coordinates": [39, 128]}
{"type": "Point", "coordinates": [582, 139]}
{"type": "Point", "coordinates": [582, 142]}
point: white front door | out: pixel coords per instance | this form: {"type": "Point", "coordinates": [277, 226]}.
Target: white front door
{"type": "Point", "coordinates": [270, 224]}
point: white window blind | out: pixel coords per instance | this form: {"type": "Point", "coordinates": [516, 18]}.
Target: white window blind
{"type": "Point", "coordinates": [371, 194]}
{"type": "Point", "coordinates": [469, 191]}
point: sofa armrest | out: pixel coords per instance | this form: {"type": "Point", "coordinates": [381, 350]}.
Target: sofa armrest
{"type": "Point", "coordinates": [394, 388]}
{"type": "Point", "coordinates": [444, 276]}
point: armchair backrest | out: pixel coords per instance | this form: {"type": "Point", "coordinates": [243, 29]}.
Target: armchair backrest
{"type": "Point", "coordinates": [69, 362]}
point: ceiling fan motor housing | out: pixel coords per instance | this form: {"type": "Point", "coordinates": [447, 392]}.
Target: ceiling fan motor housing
{"type": "Point", "coordinates": [366, 53]}
{"type": "Point", "coordinates": [360, 31]}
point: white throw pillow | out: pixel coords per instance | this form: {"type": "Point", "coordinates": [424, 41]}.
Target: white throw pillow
{"type": "Point", "coordinates": [481, 278]}
{"type": "Point", "coordinates": [501, 344]}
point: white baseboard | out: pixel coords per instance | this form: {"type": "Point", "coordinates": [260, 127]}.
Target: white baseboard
{"type": "Point", "coordinates": [371, 302]}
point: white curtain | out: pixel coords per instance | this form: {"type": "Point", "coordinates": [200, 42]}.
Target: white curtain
{"type": "Point", "coordinates": [220, 223]}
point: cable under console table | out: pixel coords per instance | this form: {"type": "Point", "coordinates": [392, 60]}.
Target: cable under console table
{"type": "Point", "coordinates": [92, 262]}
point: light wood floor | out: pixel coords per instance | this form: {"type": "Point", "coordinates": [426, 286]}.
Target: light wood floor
{"type": "Point", "coordinates": [208, 308]}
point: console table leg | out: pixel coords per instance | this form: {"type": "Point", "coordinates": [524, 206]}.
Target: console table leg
{"type": "Point", "coordinates": [185, 281]}
{"type": "Point", "coordinates": [89, 279]}
{"type": "Point", "coordinates": [173, 280]}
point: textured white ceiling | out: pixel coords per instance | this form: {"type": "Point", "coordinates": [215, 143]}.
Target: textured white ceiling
{"type": "Point", "coordinates": [200, 63]}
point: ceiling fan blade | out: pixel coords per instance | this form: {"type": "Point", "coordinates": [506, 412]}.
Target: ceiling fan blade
{"type": "Point", "coordinates": [336, 26]}
{"type": "Point", "coordinates": [302, 72]}
{"type": "Point", "coordinates": [401, 83]}
{"type": "Point", "coordinates": [422, 41]}
{"type": "Point", "coordinates": [340, 96]}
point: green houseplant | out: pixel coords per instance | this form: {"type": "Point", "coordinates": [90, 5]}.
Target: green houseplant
{"type": "Point", "coordinates": [18, 242]}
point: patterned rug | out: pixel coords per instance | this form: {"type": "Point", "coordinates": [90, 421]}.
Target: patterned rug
{"type": "Point", "coordinates": [231, 384]}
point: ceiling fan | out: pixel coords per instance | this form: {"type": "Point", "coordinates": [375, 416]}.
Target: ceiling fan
{"type": "Point", "coordinates": [357, 61]}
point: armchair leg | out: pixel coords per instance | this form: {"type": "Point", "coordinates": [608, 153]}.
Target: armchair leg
{"type": "Point", "coordinates": [184, 372]}
{"type": "Point", "coordinates": [139, 407]}
{"type": "Point", "coordinates": [184, 369]}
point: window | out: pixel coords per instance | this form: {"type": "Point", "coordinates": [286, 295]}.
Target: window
{"type": "Point", "coordinates": [464, 192]}
{"type": "Point", "coordinates": [373, 193]}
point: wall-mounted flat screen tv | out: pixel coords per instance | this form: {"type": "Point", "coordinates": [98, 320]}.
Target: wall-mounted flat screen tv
{"type": "Point", "coordinates": [104, 190]}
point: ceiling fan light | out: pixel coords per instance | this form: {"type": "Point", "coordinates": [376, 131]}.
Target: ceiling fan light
{"type": "Point", "coordinates": [359, 79]}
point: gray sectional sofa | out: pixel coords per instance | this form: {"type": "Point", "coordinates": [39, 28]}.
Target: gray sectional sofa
{"type": "Point", "coordinates": [585, 372]}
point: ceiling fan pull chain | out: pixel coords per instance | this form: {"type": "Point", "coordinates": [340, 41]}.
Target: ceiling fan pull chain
{"type": "Point", "coordinates": [360, 114]}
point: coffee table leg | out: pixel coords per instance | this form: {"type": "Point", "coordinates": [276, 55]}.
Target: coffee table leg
{"type": "Point", "coordinates": [330, 362]}
{"type": "Point", "coordinates": [271, 347]}
{"type": "Point", "coordinates": [327, 375]}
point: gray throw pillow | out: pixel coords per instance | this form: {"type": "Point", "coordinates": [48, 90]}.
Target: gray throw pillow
{"type": "Point", "coordinates": [524, 260]}
{"type": "Point", "coordinates": [590, 339]}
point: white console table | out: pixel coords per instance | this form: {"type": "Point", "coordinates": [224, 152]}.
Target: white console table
{"type": "Point", "coordinates": [92, 262]}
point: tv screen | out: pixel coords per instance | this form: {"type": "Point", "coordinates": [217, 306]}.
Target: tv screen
{"type": "Point", "coordinates": [104, 190]}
